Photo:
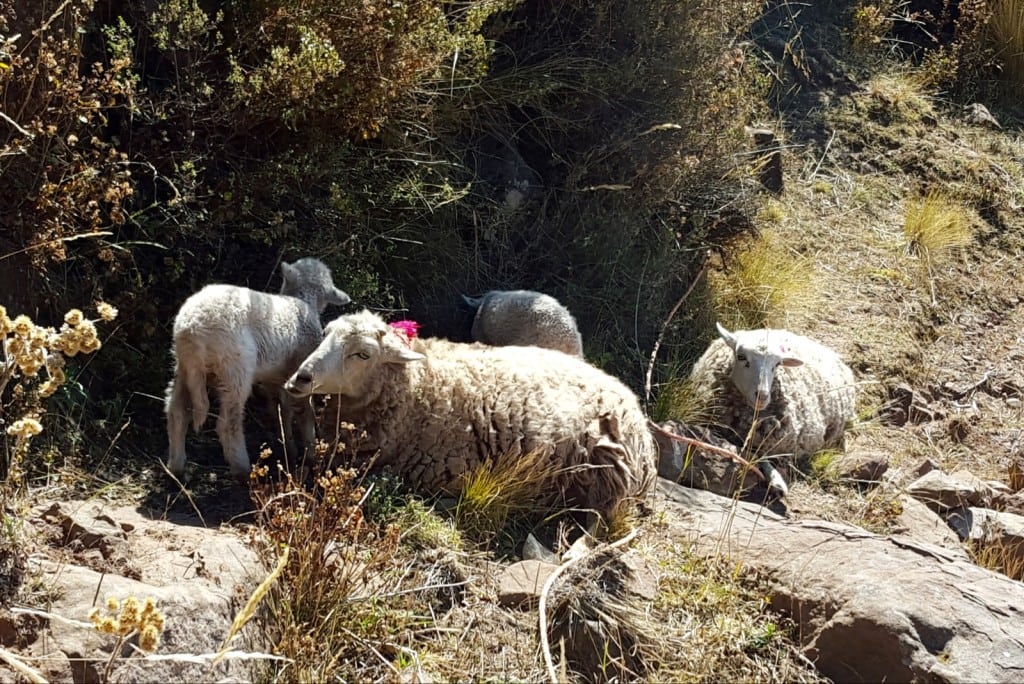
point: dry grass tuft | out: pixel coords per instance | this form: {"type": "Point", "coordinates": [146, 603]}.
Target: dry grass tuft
{"type": "Point", "coordinates": [1007, 27]}
{"type": "Point", "coordinates": [934, 225]}
{"type": "Point", "coordinates": [511, 485]}
{"type": "Point", "coordinates": [709, 622]}
{"type": "Point", "coordinates": [327, 609]}
{"type": "Point", "coordinates": [761, 284]}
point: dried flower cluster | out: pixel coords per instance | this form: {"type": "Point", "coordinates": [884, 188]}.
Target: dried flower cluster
{"type": "Point", "coordinates": [124, 618]}
{"type": "Point", "coordinates": [26, 349]}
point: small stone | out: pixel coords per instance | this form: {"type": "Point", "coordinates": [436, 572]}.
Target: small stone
{"type": "Point", "coordinates": [520, 584]}
{"type": "Point", "coordinates": [534, 550]}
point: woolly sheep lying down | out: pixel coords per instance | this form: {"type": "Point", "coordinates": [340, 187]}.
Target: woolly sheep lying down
{"type": "Point", "coordinates": [436, 409]}
{"type": "Point", "coordinates": [235, 337]}
{"type": "Point", "coordinates": [524, 318]}
{"type": "Point", "coordinates": [801, 391]}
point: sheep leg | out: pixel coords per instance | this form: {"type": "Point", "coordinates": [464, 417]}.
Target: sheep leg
{"type": "Point", "coordinates": [177, 426]}
{"type": "Point", "coordinates": [229, 426]}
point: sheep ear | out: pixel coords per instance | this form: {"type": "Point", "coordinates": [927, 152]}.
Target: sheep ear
{"type": "Point", "coordinates": [338, 297]}
{"type": "Point", "coordinates": [471, 302]}
{"type": "Point", "coordinates": [287, 271]}
{"type": "Point", "coordinates": [791, 362]}
{"type": "Point", "coordinates": [403, 355]}
{"type": "Point", "coordinates": [729, 338]}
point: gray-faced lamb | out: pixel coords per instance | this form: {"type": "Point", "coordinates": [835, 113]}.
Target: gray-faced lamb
{"type": "Point", "coordinates": [234, 337]}
{"type": "Point", "coordinates": [800, 392]}
{"type": "Point", "coordinates": [524, 318]}
{"type": "Point", "coordinates": [436, 409]}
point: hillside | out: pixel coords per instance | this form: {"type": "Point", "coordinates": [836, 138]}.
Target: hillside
{"type": "Point", "coordinates": [362, 580]}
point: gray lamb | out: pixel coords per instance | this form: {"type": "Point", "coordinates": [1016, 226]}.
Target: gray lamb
{"type": "Point", "coordinates": [235, 337]}
{"type": "Point", "coordinates": [524, 318]}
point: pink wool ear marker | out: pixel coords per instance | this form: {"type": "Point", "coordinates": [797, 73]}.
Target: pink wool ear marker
{"type": "Point", "coordinates": [407, 329]}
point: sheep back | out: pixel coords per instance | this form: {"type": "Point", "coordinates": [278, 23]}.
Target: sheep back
{"type": "Point", "coordinates": [524, 317]}
{"type": "Point", "coordinates": [436, 419]}
{"type": "Point", "coordinates": [810, 404]}
{"type": "Point", "coordinates": [222, 321]}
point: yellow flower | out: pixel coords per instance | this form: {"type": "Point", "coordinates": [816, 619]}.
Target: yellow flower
{"type": "Point", "coordinates": [90, 344]}
{"type": "Point", "coordinates": [149, 638]}
{"type": "Point", "coordinates": [129, 616]}
{"type": "Point", "coordinates": [48, 388]}
{"type": "Point", "coordinates": [113, 605]}
{"type": "Point", "coordinates": [5, 322]}
{"type": "Point", "coordinates": [22, 325]}
{"type": "Point", "coordinates": [106, 311]}
{"type": "Point", "coordinates": [15, 346]}
{"type": "Point", "coordinates": [73, 317]}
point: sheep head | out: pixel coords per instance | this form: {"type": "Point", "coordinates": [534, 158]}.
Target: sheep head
{"type": "Point", "coordinates": [309, 279]}
{"type": "Point", "coordinates": [756, 356]}
{"type": "Point", "coordinates": [354, 346]}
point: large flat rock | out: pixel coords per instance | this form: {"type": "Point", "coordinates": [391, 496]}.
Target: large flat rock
{"type": "Point", "coordinates": [870, 608]}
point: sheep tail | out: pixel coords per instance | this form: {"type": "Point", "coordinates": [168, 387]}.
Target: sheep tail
{"type": "Point", "coordinates": [188, 391]}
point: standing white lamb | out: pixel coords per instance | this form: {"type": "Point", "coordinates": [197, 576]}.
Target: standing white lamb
{"type": "Point", "coordinates": [524, 318]}
{"type": "Point", "coordinates": [436, 409]}
{"type": "Point", "coordinates": [800, 409]}
{"type": "Point", "coordinates": [234, 337]}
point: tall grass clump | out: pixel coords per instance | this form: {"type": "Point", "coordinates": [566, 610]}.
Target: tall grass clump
{"type": "Point", "coordinates": [327, 609]}
{"type": "Point", "coordinates": [934, 226]}
{"type": "Point", "coordinates": [498, 491]}
{"type": "Point", "coordinates": [760, 283]}
{"type": "Point", "coordinates": [1007, 28]}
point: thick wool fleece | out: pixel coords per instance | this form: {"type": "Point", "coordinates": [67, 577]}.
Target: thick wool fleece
{"type": "Point", "coordinates": [435, 419]}
{"type": "Point", "coordinates": [523, 317]}
{"type": "Point", "coordinates": [810, 404]}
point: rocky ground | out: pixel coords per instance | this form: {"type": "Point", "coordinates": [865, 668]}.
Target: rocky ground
{"type": "Point", "coordinates": [875, 573]}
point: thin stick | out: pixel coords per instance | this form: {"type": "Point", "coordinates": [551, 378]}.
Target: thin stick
{"type": "Point", "coordinates": [664, 327]}
{"type": "Point", "coordinates": [707, 447]}
{"type": "Point", "coordinates": [549, 661]}
{"type": "Point", "coordinates": [823, 155]}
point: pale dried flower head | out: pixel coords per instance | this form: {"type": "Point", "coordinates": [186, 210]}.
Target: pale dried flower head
{"type": "Point", "coordinates": [106, 311]}
{"type": "Point", "coordinates": [73, 317]}
{"type": "Point", "coordinates": [22, 326]}
{"type": "Point", "coordinates": [25, 428]}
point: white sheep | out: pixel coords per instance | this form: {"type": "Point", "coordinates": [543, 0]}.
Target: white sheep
{"type": "Point", "coordinates": [234, 337]}
{"type": "Point", "coordinates": [524, 318]}
{"type": "Point", "coordinates": [436, 409]}
{"type": "Point", "coordinates": [800, 409]}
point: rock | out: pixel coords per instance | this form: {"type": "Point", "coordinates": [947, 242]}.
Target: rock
{"type": "Point", "coordinates": [1011, 503]}
{"type": "Point", "coordinates": [978, 114]}
{"type": "Point", "coordinates": [520, 584]}
{"type": "Point", "coordinates": [1015, 476]}
{"type": "Point", "coordinates": [195, 575]}
{"type": "Point", "coordinates": [770, 168]}
{"type": "Point", "coordinates": [534, 550]}
{"type": "Point", "coordinates": [640, 579]}
{"type": "Point", "coordinates": [1000, 533]}
{"type": "Point", "coordinates": [693, 467]}
{"type": "Point", "coordinates": [919, 522]}
{"type": "Point", "coordinates": [942, 491]}
{"type": "Point", "coordinates": [926, 466]}
{"type": "Point", "coordinates": [867, 607]}
{"type": "Point", "coordinates": [864, 468]}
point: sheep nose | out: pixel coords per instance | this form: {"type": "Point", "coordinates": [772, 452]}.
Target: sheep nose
{"type": "Point", "coordinates": [761, 401]}
{"type": "Point", "coordinates": [299, 383]}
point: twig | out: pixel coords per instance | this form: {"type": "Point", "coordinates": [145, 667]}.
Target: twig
{"type": "Point", "coordinates": [549, 662]}
{"type": "Point", "coordinates": [28, 134]}
{"type": "Point", "coordinates": [664, 327]}
{"type": "Point", "coordinates": [20, 667]}
{"type": "Point", "coordinates": [823, 155]}
{"type": "Point", "coordinates": [707, 447]}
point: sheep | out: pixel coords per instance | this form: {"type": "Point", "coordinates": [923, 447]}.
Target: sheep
{"type": "Point", "coordinates": [433, 410]}
{"type": "Point", "coordinates": [237, 337]}
{"type": "Point", "coordinates": [800, 410]}
{"type": "Point", "coordinates": [524, 317]}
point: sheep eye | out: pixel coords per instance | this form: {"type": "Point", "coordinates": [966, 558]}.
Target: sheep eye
{"type": "Point", "coordinates": [363, 355]}
{"type": "Point", "coordinates": [741, 357]}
